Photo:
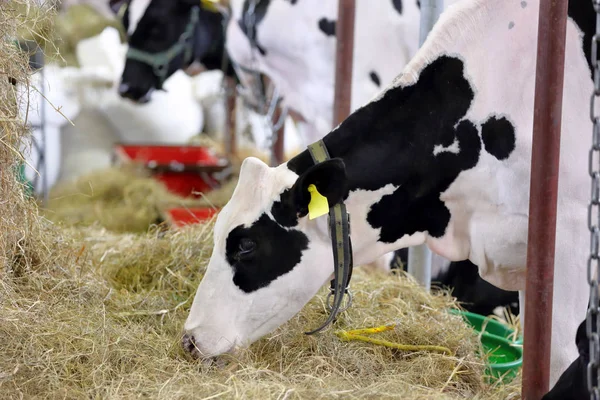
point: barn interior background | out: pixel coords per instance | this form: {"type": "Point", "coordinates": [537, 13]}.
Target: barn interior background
{"type": "Point", "coordinates": [101, 253]}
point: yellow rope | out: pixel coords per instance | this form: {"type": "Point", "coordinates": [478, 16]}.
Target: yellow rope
{"type": "Point", "coordinates": [358, 334]}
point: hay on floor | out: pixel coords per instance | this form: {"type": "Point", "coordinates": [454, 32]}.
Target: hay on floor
{"type": "Point", "coordinates": [108, 325]}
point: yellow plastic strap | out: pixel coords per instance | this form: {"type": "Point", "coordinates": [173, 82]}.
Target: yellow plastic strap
{"type": "Point", "coordinates": [358, 334]}
{"type": "Point", "coordinates": [318, 205]}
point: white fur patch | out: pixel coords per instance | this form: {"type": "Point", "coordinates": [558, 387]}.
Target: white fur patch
{"type": "Point", "coordinates": [137, 9]}
{"type": "Point", "coordinates": [453, 148]}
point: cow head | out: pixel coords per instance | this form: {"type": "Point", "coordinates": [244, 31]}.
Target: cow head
{"type": "Point", "coordinates": [268, 258]}
{"type": "Point", "coordinates": [165, 36]}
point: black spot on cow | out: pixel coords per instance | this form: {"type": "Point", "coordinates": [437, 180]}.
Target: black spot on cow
{"type": "Point", "coordinates": [498, 136]}
{"type": "Point", "coordinates": [275, 252]}
{"type": "Point", "coordinates": [391, 141]}
{"type": "Point", "coordinates": [327, 26]}
{"type": "Point", "coordinates": [583, 14]}
{"type": "Point", "coordinates": [375, 78]}
{"type": "Point", "coordinates": [523, 4]}
{"type": "Point", "coordinates": [511, 25]}
{"type": "Point", "coordinates": [398, 5]}
{"type": "Point", "coordinates": [572, 384]}
{"type": "Point", "coordinates": [293, 2]}
{"type": "Point", "coordinates": [419, 4]}
{"type": "Point", "coordinates": [249, 23]}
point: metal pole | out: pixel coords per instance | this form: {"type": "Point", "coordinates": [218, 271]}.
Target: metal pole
{"type": "Point", "coordinates": [230, 137]}
{"type": "Point", "coordinates": [278, 146]}
{"type": "Point", "coordinates": [343, 61]}
{"type": "Point", "coordinates": [430, 12]}
{"type": "Point", "coordinates": [419, 257]}
{"type": "Point", "coordinates": [543, 197]}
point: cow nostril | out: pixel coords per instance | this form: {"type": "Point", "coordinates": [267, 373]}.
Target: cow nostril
{"type": "Point", "coordinates": [123, 88]}
{"type": "Point", "coordinates": [189, 344]}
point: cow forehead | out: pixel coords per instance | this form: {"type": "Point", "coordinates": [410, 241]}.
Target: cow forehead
{"type": "Point", "coordinates": [258, 187]}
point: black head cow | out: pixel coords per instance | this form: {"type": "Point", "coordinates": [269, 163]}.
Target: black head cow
{"type": "Point", "coordinates": [165, 36]}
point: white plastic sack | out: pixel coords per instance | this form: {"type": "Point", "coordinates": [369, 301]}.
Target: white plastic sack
{"type": "Point", "coordinates": [103, 50]}
{"type": "Point", "coordinates": [171, 117]}
{"type": "Point", "coordinates": [36, 110]}
{"type": "Point", "coordinates": [87, 146]}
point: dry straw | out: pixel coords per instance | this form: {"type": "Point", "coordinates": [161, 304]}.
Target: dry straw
{"type": "Point", "coordinates": [89, 313]}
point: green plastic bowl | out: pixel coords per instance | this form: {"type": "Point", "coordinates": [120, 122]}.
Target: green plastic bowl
{"type": "Point", "coordinates": [489, 325]}
{"type": "Point", "coordinates": [505, 358]}
{"type": "Point", "coordinates": [504, 349]}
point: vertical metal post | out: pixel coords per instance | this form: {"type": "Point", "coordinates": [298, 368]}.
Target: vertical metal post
{"type": "Point", "coordinates": [343, 61]}
{"type": "Point", "coordinates": [543, 197]}
{"type": "Point", "coordinates": [419, 257]}
{"type": "Point", "coordinates": [230, 137]}
{"type": "Point", "coordinates": [430, 12]}
{"type": "Point", "coordinates": [278, 145]}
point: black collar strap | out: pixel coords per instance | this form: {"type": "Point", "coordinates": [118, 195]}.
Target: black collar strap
{"type": "Point", "coordinates": [339, 231]}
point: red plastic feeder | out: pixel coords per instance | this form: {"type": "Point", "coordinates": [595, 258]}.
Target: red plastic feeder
{"type": "Point", "coordinates": [185, 170]}
{"type": "Point", "coordinates": [179, 217]}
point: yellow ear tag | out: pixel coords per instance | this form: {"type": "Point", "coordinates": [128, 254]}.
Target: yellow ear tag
{"type": "Point", "coordinates": [318, 203]}
{"type": "Point", "coordinates": [210, 5]}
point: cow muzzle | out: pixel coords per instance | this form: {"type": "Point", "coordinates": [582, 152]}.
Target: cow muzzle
{"type": "Point", "coordinates": [135, 94]}
{"type": "Point", "coordinates": [207, 350]}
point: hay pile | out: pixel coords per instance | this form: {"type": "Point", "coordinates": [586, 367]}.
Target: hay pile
{"type": "Point", "coordinates": [58, 33]}
{"type": "Point", "coordinates": [21, 233]}
{"type": "Point", "coordinates": [122, 199]}
{"type": "Point", "coordinates": [128, 199]}
{"type": "Point", "coordinates": [119, 199]}
{"type": "Point", "coordinates": [78, 22]}
{"type": "Point", "coordinates": [108, 325]}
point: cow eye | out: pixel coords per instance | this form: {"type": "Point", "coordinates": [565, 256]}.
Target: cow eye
{"type": "Point", "coordinates": [246, 247]}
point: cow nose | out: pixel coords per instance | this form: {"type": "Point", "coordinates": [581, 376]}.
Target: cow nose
{"type": "Point", "coordinates": [189, 345]}
{"type": "Point", "coordinates": [123, 89]}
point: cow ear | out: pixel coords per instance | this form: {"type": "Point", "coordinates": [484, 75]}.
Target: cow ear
{"type": "Point", "coordinates": [329, 178]}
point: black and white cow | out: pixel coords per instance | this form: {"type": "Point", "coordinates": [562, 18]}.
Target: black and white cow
{"type": "Point", "coordinates": [441, 157]}
{"type": "Point", "coordinates": [156, 27]}
{"type": "Point", "coordinates": [294, 42]}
